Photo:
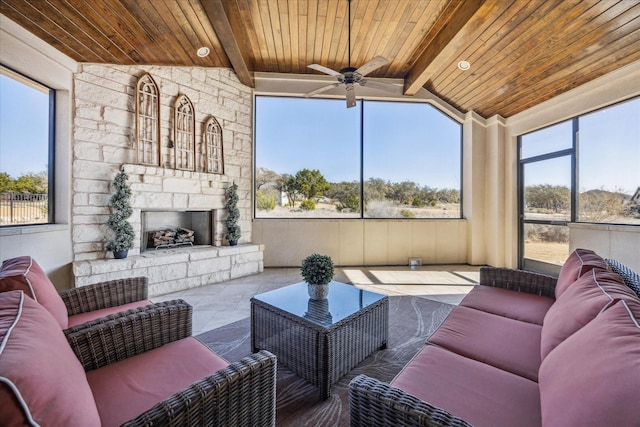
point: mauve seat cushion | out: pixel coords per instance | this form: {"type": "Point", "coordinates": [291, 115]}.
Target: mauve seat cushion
{"type": "Point", "coordinates": [507, 344]}
{"type": "Point", "coordinates": [593, 377]}
{"type": "Point", "coordinates": [24, 274]}
{"type": "Point", "coordinates": [478, 393]}
{"type": "Point", "coordinates": [40, 377]}
{"type": "Point", "coordinates": [503, 302]}
{"type": "Point", "coordinates": [579, 262]}
{"type": "Point", "coordinates": [79, 319]}
{"type": "Point", "coordinates": [579, 304]}
{"type": "Point", "coordinates": [125, 389]}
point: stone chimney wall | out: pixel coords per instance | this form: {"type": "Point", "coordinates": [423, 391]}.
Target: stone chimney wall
{"type": "Point", "coordinates": [104, 142]}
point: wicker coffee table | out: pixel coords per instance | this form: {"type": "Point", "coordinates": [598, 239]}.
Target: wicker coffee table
{"type": "Point", "coordinates": [320, 340]}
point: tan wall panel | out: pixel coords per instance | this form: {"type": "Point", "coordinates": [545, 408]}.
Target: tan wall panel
{"type": "Point", "coordinates": [369, 242]}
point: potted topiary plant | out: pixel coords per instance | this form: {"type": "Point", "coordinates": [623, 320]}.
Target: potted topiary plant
{"type": "Point", "coordinates": [233, 215]}
{"type": "Point", "coordinates": [120, 212]}
{"type": "Point", "coordinates": [317, 271]}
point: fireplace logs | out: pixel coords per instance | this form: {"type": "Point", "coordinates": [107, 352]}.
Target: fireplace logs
{"type": "Point", "coordinates": [170, 238]}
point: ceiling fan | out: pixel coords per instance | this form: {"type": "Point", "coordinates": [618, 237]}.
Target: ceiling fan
{"type": "Point", "coordinates": [349, 76]}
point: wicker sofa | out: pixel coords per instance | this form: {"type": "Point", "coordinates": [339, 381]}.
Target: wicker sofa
{"type": "Point", "coordinates": [139, 369]}
{"type": "Point", "coordinates": [523, 349]}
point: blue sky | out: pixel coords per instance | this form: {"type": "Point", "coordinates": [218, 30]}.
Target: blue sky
{"type": "Point", "coordinates": [402, 141]}
{"type": "Point", "coordinates": [609, 150]}
{"type": "Point", "coordinates": [24, 128]}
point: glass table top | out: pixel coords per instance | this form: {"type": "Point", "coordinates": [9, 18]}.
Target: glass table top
{"type": "Point", "coordinates": [343, 301]}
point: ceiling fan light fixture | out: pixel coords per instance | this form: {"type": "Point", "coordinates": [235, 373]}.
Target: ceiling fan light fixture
{"type": "Point", "coordinates": [349, 76]}
{"type": "Point", "coordinates": [464, 65]}
{"type": "Point", "coordinates": [203, 51]}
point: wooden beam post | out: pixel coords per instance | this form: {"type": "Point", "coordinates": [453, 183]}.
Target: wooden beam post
{"type": "Point", "coordinates": [455, 16]}
{"type": "Point", "coordinates": [218, 17]}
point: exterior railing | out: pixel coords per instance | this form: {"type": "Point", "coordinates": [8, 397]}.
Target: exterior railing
{"type": "Point", "coordinates": [23, 208]}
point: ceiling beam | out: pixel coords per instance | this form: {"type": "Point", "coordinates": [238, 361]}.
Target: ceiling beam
{"type": "Point", "coordinates": [219, 20]}
{"type": "Point", "coordinates": [454, 17]}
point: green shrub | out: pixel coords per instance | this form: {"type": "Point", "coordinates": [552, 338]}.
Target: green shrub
{"type": "Point", "coordinates": [418, 202]}
{"type": "Point", "coordinates": [308, 205]}
{"type": "Point", "coordinates": [406, 213]}
{"type": "Point", "coordinates": [264, 201]}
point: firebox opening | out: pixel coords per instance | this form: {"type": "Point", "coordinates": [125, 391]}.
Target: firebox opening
{"type": "Point", "coordinates": [186, 227]}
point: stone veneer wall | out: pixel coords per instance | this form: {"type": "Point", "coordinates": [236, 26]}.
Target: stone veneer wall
{"type": "Point", "coordinates": [104, 142]}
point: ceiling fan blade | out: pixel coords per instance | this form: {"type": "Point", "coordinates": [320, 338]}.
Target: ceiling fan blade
{"type": "Point", "coordinates": [322, 89]}
{"type": "Point", "coordinates": [351, 96]}
{"type": "Point", "coordinates": [379, 85]}
{"type": "Point", "coordinates": [372, 65]}
{"type": "Point", "coordinates": [324, 69]}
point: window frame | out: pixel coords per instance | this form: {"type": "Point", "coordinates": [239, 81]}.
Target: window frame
{"type": "Point", "coordinates": [574, 152]}
{"type": "Point", "coordinates": [361, 142]}
{"type": "Point", "coordinates": [51, 141]}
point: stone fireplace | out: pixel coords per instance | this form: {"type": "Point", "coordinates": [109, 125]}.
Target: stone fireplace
{"type": "Point", "coordinates": [104, 142]}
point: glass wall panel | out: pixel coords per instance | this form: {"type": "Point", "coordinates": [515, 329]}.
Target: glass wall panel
{"type": "Point", "coordinates": [548, 140]}
{"type": "Point", "coordinates": [547, 190]}
{"type": "Point", "coordinates": [412, 161]}
{"type": "Point", "coordinates": [609, 165]}
{"type": "Point", "coordinates": [307, 158]}
{"type": "Point", "coordinates": [546, 209]}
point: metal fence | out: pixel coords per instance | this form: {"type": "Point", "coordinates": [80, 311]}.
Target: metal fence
{"type": "Point", "coordinates": [23, 208]}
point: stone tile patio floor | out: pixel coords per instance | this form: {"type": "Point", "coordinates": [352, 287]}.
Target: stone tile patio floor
{"type": "Point", "coordinates": [226, 302]}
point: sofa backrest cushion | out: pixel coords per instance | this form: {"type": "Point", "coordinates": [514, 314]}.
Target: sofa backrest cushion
{"type": "Point", "coordinates": [581, 303]}
{"type": "Point", "coordinates": [593, 377]}
{"type": "Point", "coordinates": [41, 380]}
{"type": "Point", "coordinates": [24, 274]}
{"type": "Point", "coordinates": [580, 262]}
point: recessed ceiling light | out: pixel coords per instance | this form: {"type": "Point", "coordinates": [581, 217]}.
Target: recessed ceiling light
{"type": "Point", "coordinates": [203, 51]}
{"type": "Point", "coordinates": [464, 65]}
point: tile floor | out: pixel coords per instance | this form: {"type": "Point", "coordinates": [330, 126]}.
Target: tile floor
{"type": "Point", "coordinates": [222, 303]}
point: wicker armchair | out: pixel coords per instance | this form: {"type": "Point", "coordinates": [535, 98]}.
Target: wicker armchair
{"type": "Point", "coordinates": [105, 295]}
{"type": "Point", "coordinates": [242, 394]}
{"type": "Point", "coordinates": [74, 306]}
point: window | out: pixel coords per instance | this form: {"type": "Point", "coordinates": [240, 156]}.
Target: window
{"type": "Point", "coordinates": [184, 134]}
{"type": "Point", "coordinates": [213, 153]}
{"type": "Point", "coordinates": [147, 121]}
{"type": "Point", "coordinates": [411, 162]}
{"type": "Point", "coordinates": [586, 169]}
{"type": "Point", "coordinates": [26, 150]}
{"type": "Point", "coordinates": [316, 158]}
{"type": "Point", "coordinates": [609, 165]}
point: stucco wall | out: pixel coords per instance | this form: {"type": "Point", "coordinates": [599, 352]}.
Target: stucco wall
{"type": "Point", "coordinates": [49, 244]}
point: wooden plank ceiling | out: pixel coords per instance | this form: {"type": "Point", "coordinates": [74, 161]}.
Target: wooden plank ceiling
{"type": "Point", "coordinates": [521, 52]}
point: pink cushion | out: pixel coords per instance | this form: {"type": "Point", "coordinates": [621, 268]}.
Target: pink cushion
{"type": "Point", "coordinates": [125, 389]}
{"type": "Point", "coordinates": [580, 262]}
{"type": "Point", "coordinates": [507, 344]}
{"type": "Point", "coordinates": [78, 319]}
{"type": "Point", "coordinates": [480, 394]}
{"type": "Point", "coordinates": [593, 377]}
{"type": "Point", "coordinates": [588, 296]}
{"type": "Point", "coordinates": [40, 377]}
{"type": "Point", "coordinates": [503, 302]}
{"type": "Point", "coordinates": [23, 273]}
